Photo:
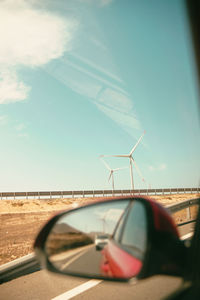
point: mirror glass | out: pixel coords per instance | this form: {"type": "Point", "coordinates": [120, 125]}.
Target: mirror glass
{"type": "Point", "coordinates": [102, 240]}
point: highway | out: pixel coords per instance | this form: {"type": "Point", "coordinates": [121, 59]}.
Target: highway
{"type": "Point", "coordinates": [43, 285]}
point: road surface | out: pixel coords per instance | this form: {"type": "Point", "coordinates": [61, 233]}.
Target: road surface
{"type": "Point", "coordinates": [43, 285]}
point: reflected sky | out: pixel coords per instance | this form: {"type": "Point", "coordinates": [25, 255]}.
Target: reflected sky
{"type": "Point", "coordinates": [98, 218]}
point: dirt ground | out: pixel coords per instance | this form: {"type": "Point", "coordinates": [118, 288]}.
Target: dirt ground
{"type": "Point", "coordinates": [22, 219]}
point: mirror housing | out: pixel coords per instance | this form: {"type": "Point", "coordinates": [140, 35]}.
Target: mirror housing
{"type": "Point", "coordinates": [113, 239]}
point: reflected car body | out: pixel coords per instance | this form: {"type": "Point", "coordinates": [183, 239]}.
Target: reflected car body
{"type": "Point", "coordinates": [118, 263]}
{"type": "Point", "coordinates": [123, 255]}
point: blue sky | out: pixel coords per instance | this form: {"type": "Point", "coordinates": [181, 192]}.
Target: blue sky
{"type": "Point", "coordinates": [83, 78]}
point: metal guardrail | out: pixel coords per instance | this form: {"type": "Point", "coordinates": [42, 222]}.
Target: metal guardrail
{"type": "Point", "coordinates": [19, 267]}
{"type": "Point", "coordinates": [95, 193]}
{"type": "Point", "coordinates": [182, 205]}
{"type": "Point", "coordinates": [29, 264]}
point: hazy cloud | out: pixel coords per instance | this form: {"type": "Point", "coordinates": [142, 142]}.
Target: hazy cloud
{"type": "Point", "coordinates": [116, 100]}
{"type": "Point", "coordinates": [87, 79]}
{"type": "Point", "coordinates": [160, 167]}
{"type": "Point", "coordinates": [95, 65]}
{"type": "Point", "coordinates": [30, 38]}
{"type": "Point", "coordinates": [98, 2]}
{"type": "Point", "coordinates": [105, 2]}
{"type": "Point", "coordinates": [12, 89]}
{"type": "Point", "coordinates": [126, 120]}
{"type": "Point", "coordinates": [3, 120]}
{"type": "Point", "coordinates": [23, 135]}
{"type": "Point", "coordinates": [20, 127]}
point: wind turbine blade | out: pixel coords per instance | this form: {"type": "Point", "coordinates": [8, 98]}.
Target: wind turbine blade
{"type": "Point", "coordinates": [137, 143]}
{"type": "Point", "coordinates": [106, 165]}
{"type": "Point", "coordinates": [120, 168]}
{"type": "Point", "coordinates": [120, 155]}
{"type": "Point", "coordinates": [138, 170]}
{"type": "Point", "coordinates": [110, 176]}
{"type": "Point", "coordinates": [102, 155]}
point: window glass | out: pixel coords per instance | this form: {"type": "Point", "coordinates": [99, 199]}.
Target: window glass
{"type": "Point", "coordinates": [119, 228]}
{"type": "Point", "coordinates": [135, 230]}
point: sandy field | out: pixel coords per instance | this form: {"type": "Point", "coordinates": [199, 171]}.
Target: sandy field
{"type": "Point", "coordinates": [22, 219]}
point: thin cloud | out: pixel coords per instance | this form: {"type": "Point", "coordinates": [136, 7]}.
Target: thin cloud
{"type": "Point", "coordinates": [12, 89]}
{"type": "Point", "coordinates": [106, 2]}
{"type": "Point", "coordinates": [114, 99]}
{"type": "Point", "coordinates": [3, 120]}
{"type": "Point", "coordinates": [94, 65]}
{"type": "Point", "coordinates": [160, 167]}
{"type": "Point", "coordinates": [119, 108]}
{"type": "Point", "coordinates": [21, 130]}
{"type": "Point", "coordinates": [29, 38]}
{"type": "Point", "coordinates": [126, 120]}
{"type": "Point", "coordinates": [23, 135]}
{"type": "Point", "coordinates": [20, 127]}
{"type": "Point", "coordinates": [106, 94]}
{"type": "Point", "coordinates": [80, 72]}
{"type": "Point", "coordinates": [98, 2]}
{"type": "Point", "coordinates": [96, 77]}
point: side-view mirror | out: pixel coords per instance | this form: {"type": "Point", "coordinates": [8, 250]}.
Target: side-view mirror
{"type": "Point", "coordinates": [116, 239]}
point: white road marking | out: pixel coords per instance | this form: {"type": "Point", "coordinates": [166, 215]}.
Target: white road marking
{"type": "Point", "coordinates": [78, 290]}
{"type": "Point", "coordinates": [68, 253]}
{"type": "Point", "coordinates": [75, 257]}
{"type": "Point", "coordinates": [93, 282]}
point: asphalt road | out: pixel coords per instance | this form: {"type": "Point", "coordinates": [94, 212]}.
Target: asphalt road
{"type": "Point", "coordinates": [43, 285]}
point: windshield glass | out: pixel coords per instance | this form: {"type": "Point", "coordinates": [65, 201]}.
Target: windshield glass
{"type": "Point", "coordinates": [81, 79]}
{"type": "Point", "coordinates": [97, 98]}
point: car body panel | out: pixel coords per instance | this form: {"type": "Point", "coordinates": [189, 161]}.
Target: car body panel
{"type": "Point", "coordinates": [118, 263]}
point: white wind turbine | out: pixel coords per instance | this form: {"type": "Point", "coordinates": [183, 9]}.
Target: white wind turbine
{"type": "Point", "coordinates": [131, 160]}
{"type": "Point", "coordinates": [111, 175]}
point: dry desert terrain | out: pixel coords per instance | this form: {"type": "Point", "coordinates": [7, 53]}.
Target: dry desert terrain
{"type": "Point", "coordinates": [22, 219]}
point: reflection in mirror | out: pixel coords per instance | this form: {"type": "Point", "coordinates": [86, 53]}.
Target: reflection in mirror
{"type": "Point", "coordinates": [82, 243]}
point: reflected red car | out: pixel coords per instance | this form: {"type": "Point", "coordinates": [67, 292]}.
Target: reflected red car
{"type": "Point", "coordinates": [123, 256]}
{"type": "Point", "coordinates": [118, 263]}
